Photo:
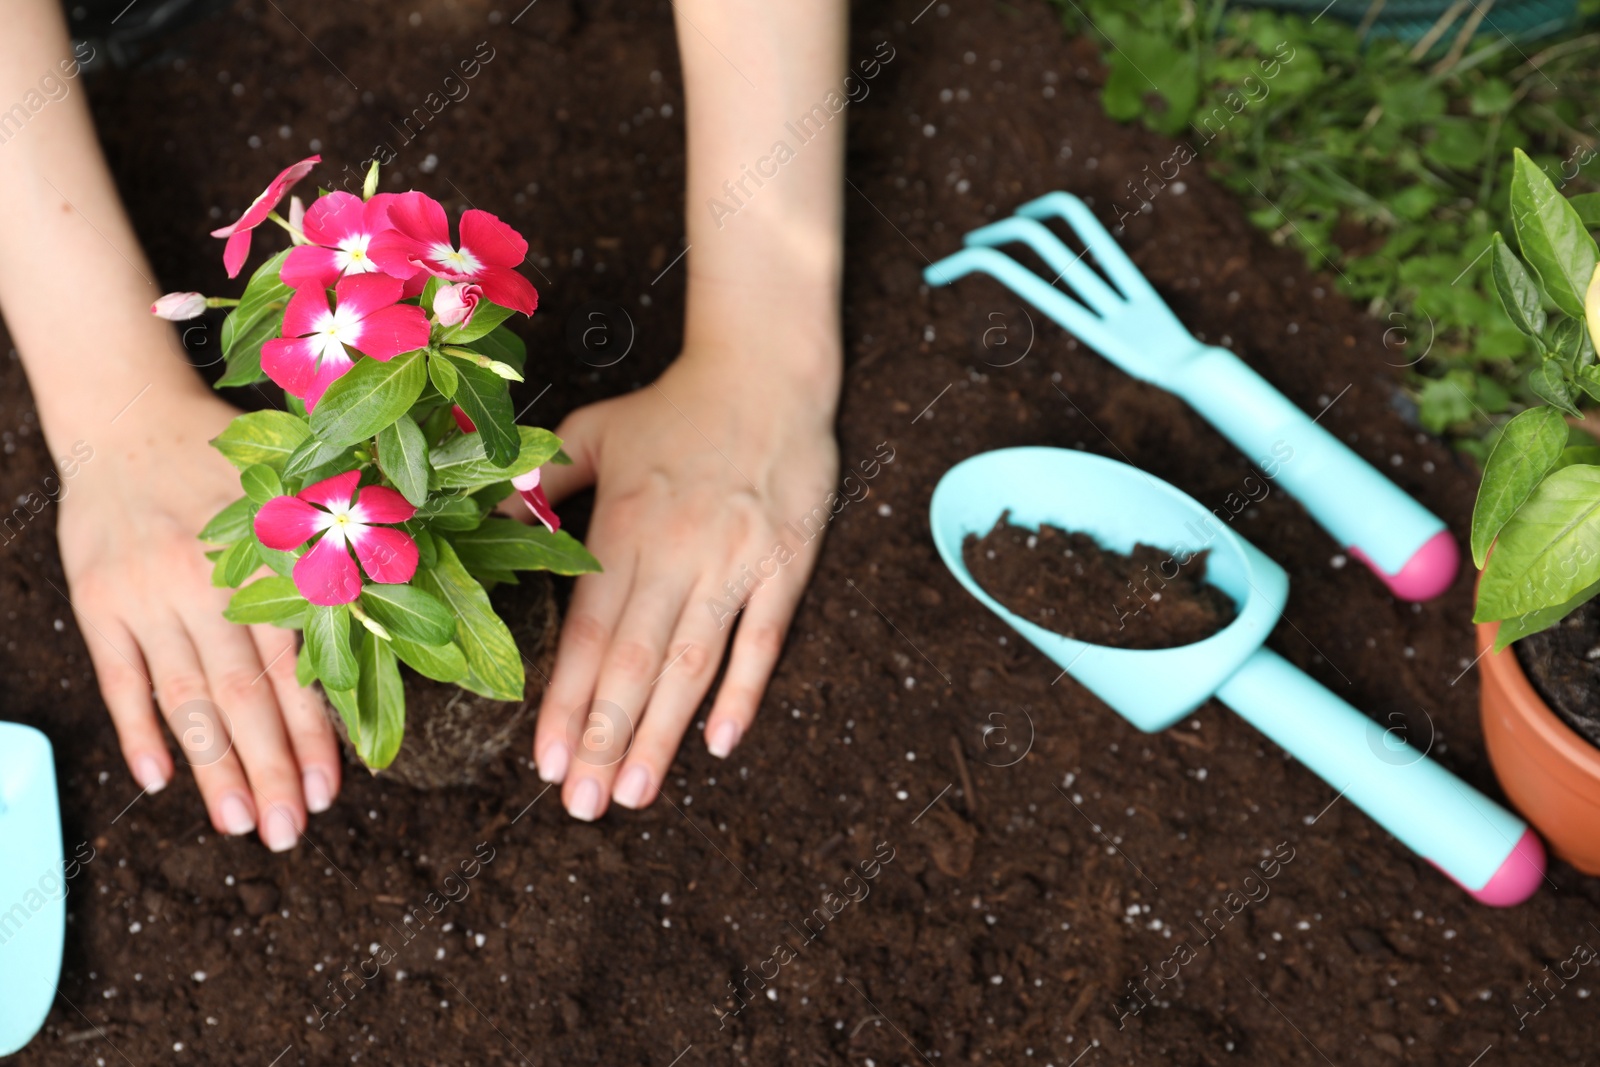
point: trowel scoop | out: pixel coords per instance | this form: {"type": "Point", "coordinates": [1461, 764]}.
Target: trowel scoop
{"type": "Point", "coordinates": [33, 910]}
{"type": "Point", "coordinates": [1482, 847]}
{"type": "Point", "coordinates": [1128, 323]}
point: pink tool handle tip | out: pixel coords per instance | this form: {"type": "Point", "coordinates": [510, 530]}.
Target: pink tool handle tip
{"type": "Point", "coordinates": [1426, 574]}
{"type": "Point", "coordinates": [1517, 877]}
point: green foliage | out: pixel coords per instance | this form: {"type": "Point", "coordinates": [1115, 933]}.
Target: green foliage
{"type": "Point", "coordinates": [1390, 171]}
{"type": "Point", "coordinates": [253, 323]}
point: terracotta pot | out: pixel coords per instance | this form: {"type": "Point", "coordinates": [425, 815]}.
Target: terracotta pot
{"type": "Point", "coordinates": [1550, 774]}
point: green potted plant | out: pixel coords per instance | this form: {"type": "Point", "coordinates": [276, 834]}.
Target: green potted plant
{"type": "Point", "coordinates": [1536, 528]}
{"type": "Point", "coordinates": [368, 519]}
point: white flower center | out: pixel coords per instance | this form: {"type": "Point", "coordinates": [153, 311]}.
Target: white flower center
{"type": "Point", "coordinates": [459, 262]}
{"type": "Point", "coordinates": [333, 331]}
{"type": "Point", "coordinates": [351, 255]}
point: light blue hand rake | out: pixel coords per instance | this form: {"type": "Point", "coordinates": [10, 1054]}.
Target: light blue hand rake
{"type": "Point", "coordinates": [33, 910]}
{"type": "Point", "coordinates": [1129, 324]}
{"type": "Point", "coordinates": [1485, 849]}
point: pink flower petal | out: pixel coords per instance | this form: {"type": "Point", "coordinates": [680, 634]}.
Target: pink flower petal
{"type": "Point", "coordinates": [306, 309]}
{"type": "Point", "coordinates": [527, 486]}
{"type": "Point", "coordinates": [388, 556]}
{"type": "Point", "coordinates": [397, 255]}
{"type": "Point", "coordinates": [235, 252]}
{"type": "Point", "coordinates": [310, 266]}
{"type": "Point", "coordinates": [327, 575]}
{"type": "Point", "coordinates": [392, 330]}
{"type": "Point", "coordinates": [420, 218]}
{"type": "Point", "coordinates": [379, 503]}
{"type": "Point", "coordinates": [291, 362]}
{"type": "Point", "coordinates": [332, 369]}
{"type": "Point", "coordinates": [509, 289]}
{"type": "Point", "coordinates": [334, 217]}
{"type": "Point", "coordinates": [262, 206]}
{"type": "Point", "coordinates": [491, 242]}
{"type": "Point", "coordinates": [364, 294]}
{"type": "Point", "coordinates": [285, 523]}
{"type": "Point", "coordinates": [339, 489]}
{"type": "Point", "coordinates": [463, 420]}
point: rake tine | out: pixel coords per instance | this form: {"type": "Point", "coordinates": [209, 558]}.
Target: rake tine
{"type": "Point", "coordinates": [1106, 251]}
{"type": "Point", "coordinates": [1067, 265]}
{"type": "Point", "coordinates": [1028, 285]}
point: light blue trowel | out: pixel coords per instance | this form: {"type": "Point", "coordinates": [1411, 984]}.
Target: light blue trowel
{"type": "Point", "coordinates": [1485, 849]}
{"type": "Point", "coordinates": [33, 891]}
{"type": "Point", "coordinates": [1128, 323]}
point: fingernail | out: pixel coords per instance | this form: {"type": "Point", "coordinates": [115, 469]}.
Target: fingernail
{"type": "Point", "coordinates": [553, 765]}
{"type": "Point", "coordinates": [277, 830]}
{"type": "Point", "coordinates": [236, 818]}
{"type": "Point", "coordinates": [585, 801]}
{"type": "Point", "coordinates": [318, 796]}
{"type": "Point", "coordinates": [632, 786]}
{"type": "Point", "coordinates": [147, 769]}
{"type": "Point", "coordinates": [723, 738]}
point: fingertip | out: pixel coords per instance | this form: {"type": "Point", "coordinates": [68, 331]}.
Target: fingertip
{"type": "Point", "coordinates": [587, 800]}
{"type": "Point", "coordinates": [150, 772]}
{"type": "Point", "coordinates": [722, 738]}
{"type": "Point", "coordinates": [553, 763]}
{"type": "Point", "coordinates": [234, 815]}
{"type": "Point", "coordinates": [318, 790]}
{"type": "Point", "coordinates": [635, 787]}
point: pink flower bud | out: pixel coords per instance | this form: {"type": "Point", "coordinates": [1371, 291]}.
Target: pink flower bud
{"type": "Point", "coordinates": [176, 307]}
{"type": "Point", "coordinates": [454, 304]}
{"type": "Point", "coordinates": [297, 213]}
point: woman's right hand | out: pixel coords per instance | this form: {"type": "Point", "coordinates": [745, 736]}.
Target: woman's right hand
{"type": "Point", "coordinates": [262, 749]}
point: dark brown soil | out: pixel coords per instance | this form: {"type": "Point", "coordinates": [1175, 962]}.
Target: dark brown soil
{"type": "Point", "coordinates": [1563, 663]}
{"type": "Point", "coordinates": [1068, 584]}
{"type": "Point", "coordinates": [1045, 852]}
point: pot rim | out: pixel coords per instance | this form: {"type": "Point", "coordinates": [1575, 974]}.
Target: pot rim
{"type": "Point", "coordinates": [1530, 707]}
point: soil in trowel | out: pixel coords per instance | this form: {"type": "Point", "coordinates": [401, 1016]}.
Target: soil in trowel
{"type": "Point", "coordinates": [1067, 583]}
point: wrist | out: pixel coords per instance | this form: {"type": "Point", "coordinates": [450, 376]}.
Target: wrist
{"type": "Point", "coordinates": [785, 341]}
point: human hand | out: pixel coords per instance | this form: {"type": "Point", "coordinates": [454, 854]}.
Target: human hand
{"type": "Point", "coordinates": [141, 588]}
{"type": "Point", "coordinates": [700, 478]}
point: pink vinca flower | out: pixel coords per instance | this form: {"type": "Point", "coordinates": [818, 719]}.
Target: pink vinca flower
{"type": "Point", "coordinates": [527, 487]}
{"type": "Point", "coordinates": [454, 304]}
{"type": "Point", "coordinates": [315, 349]}
{"type": "Point", "coordinates": [340, 228]}
{"type": "Point", "coordinates": [238, 233]}
{"type": "Point", "coordinates": [489, 253]}
{"type": "Point", "coordinates": [327, 575]}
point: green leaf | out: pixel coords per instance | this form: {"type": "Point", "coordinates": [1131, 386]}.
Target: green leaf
{"type": "Point", "coordinates": [1519, 626]}
{"type": "Point", "coordinates": [243, 357]}
{"type": "Point", "coordinates": [403, 456]}
{"type": "Point", "coordinates": [305, 672]}
{"type": "Point", "coordinates": [442, 372]}
{"type": "Point", "coordinates": [1552, 236]}
{"type": "Point", "coordinates": [268, 437]}
{"type": "Point", "coordinates": [451, 513]}
{"type": "Point", "coordinates": [1568, 340]}
{"type": "Point", "coordinates": [485, 319]}
{"type": "Point", "coordinates": [260, 483]}
{"type": "Point", "coordinates": [503, 345]}
{"type": "Point", "coordinates": [508, 545]}
{"type": "Point", "coordinates": [311, 454]}
{"type": "Point", "coordinates": [493, 660]}
{"type": "Point", "coordinates": [460, 462]}
{"type": "Point", "coordinates": [427, 551]}
{"type": "Point", "coordinates": [1528, 448]}
{"type": "Point", "coordinates": [408, 612]}
{"type": "Point", "coordinates": [229, 524]}
{"type": "Point", "coordinates": [282, 562]}
{"type": "Point", "coordinates": [442, 663]}
{"type": "Point", "coordinates": [1519, 293]}
{"type": "Point", "coordinates": [328, 638]}
{"type": "Point", "coordinates": [380, 704]}
{"type": "Point", "coordinates": [345, 701]}
{"type": "Point", "coordinates": [1548, 551]}
{"type": "Point", "coordinates": [239, 562]}
{"type": "Point", "coordinates": [254, 322]}
{"type": "Point", "coordinates": [369, 397]}
{"type": "Point", "coordinates": [486, 399]}
{"type": "Point", "coordinates": [272, 600]}
{"type": "Point", "coordinates": [1587, 205]}
{"type": "Point", "coordinates": [1551, 386]}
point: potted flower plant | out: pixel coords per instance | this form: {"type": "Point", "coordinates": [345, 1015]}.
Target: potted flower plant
{"type": "Point", "coordinates": [368, 515]}
{"type": "Point", "coordinates": [1536, 529]}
